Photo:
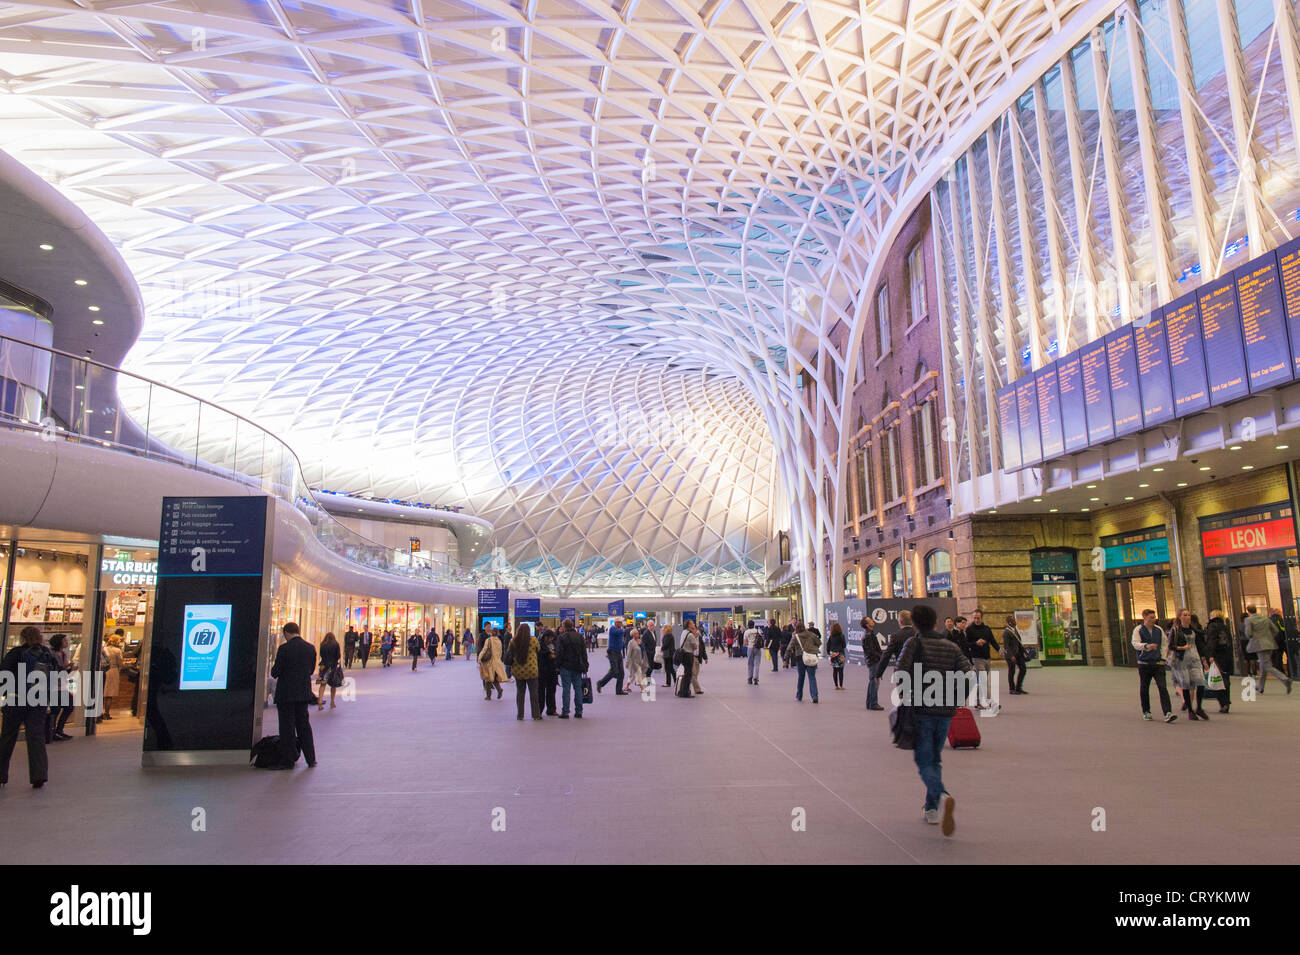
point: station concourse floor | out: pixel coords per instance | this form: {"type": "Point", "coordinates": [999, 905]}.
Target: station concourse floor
{"type": "Point", "coordinates": [414, 769]}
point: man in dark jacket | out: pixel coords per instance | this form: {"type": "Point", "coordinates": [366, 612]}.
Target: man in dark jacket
{"type": "Point", "coordinates": [786, 636]}
{"type": "Point", "coordinates": [349, 648]}
{"type": "Point", "coordinates": [614, 651]}
{"type": "Point", "coordinates": [932, 706]}
{"type": "Point", "coordinates": [896, 642]}
{"type": "Point", "coordinates": [415, 647]}
{"type": "Point", "coordinates": [295, 662]}
{"type": "Point", "coordinates": [669, 644]}
{"type": "Point", "coordinates": [872, 652]}
{"type": "Point", "coordinates": [979, 641]}
{"type": "Point", "coordinates": [571, 661]}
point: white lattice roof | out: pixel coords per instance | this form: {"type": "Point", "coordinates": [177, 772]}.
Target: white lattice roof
{"type": "Point", "coordinates": [557, 261]}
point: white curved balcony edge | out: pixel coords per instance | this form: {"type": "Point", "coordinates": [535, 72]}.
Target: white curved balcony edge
{"type": "Point", "coordinates": [86, 488]}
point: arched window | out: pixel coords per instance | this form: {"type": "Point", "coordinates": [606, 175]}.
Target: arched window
{"type": "Point", "coordinates": [875, 583]}
{"type": "Point", "coordinates": [897, 589]}
{"type": "Point", "coordinates": [938, 574]}
{"type": "Point", "coordinates": [851, 585]}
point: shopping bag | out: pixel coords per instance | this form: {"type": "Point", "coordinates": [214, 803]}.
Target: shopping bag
{"type": "Point", "coordinates": [1214, 677]}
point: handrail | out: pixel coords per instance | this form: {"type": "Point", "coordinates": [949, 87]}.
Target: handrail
{"type": "Point", "coordinates": [78, 388]}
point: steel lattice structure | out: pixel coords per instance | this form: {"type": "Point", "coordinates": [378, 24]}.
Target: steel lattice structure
{"type": "Point", "coordinates": [590, 269]}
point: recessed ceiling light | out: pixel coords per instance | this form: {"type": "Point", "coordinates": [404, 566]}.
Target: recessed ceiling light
{"type": "Point", "coordinates": [1085, 509]}
{"type": "Point", "coordinates": [97, 321]}
{"type": "Point", "coordinates": [1182, 484]}
{"type": "Point", "coordinates": [1205, 467]}
{"type": "Point", "coordinates": [1094, 499]}
{"type": "Point", "coordinates": [1281, 447]}
{"type": "Point", "coordinates": [108, 432]}
{"type": "Point", "coordinates": [992, 512]}
{"type": "Point", "coordinates": [94, 308]}
{"type": "Point", "coordinates": [1248, 467]}
{"type": "Point", "coordinates": [1157, 470]}
{"type": "Point", "coordinates": [46, 247]}
{"type": "Point", "coordinates": [78, 281]}
{"type": "Point", "coordinates": [1129, 498]}
{"type": "Point", "coordinates": [81, 387]}
{"type": "Point", "coordinates": [1235, 447]}
{"type": "Point", "coordinates": [1144, 485]}
{"type": "Point", "coordinates": [1053, 510]}
{"type": "Point", "coordinates": [1092, 487]}
{"type": "Point", "coordinates": [1038, 500]}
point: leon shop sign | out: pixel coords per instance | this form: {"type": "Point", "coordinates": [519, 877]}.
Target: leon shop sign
{"type": "Point", "coordinates": [1266, 535]}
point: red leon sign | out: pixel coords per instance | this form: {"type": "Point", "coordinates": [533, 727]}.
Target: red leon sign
{"type": "Point", "coordinates": [1266, 535]}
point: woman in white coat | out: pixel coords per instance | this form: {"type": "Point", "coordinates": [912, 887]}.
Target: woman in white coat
{"type": "Point", "coordinates": [113, 675]}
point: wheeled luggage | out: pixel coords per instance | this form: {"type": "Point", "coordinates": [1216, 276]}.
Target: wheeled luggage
{"type": "Point", "coordinates": [963, 733]}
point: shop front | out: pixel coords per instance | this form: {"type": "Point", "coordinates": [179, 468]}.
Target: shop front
{"type": "Point", "coordinates": [1250, 560]}
{"type": "Point", "coordinates": [1138, 578]}
{"type": "Point", "coordinates": [1059, 606]}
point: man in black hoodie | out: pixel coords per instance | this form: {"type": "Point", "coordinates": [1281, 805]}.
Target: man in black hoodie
{"type": "Point", "coordinates": [979, 640]}
{"type": "Point", "coordinates": [872, 652]}
{"type": "Point", "coordinates": [896, 642]}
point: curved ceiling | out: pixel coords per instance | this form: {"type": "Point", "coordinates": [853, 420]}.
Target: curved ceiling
{"type": "Point", "coordinates": [559, 262]}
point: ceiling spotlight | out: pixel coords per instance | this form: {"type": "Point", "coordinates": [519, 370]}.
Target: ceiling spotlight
{"type": "Point", "coordinates": [1248, 467]}
{"type": "Point", "coordinates": [1281, 447]}
{"type": "Point", "coordinates": [97, 321]}
{"type": "Point", "coordinates": [93, 308]}
{"type": "Point", "coordinates": [1182, 484]}
{"type": "Point", "coordinates": [1085, 509]}
{"type": "Point", "coordinates": [1129, 498]}
{"type": "Point", "coordinates": [1053, 510]}
{"type": "Point", "coordinates": [1157, 470]}
{"type": "Point", "coordinates": [80, 387]}
{"type": "Point", "coordinates": [1092, 487]}
{"type": "Point", "coordinates": [1144, 485]}
{"type": "Point", "coordinates": [46, 247]}
{"type": "Point", "coordinates": [1205, 467]}
{"type": "Point", "coordinates": [78, 281]}
{"type": "Point", "coordinates": [1234, 447]}
{"type": "Point", "coordinates": [1038, 500]}
{"type": "Point", "coordinates": [1094, 499]}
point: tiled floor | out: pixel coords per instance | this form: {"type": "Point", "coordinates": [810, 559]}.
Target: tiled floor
{"type": "Point", "coordinates": [415, 769]}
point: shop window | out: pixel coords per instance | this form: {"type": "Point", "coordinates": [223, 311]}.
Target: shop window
{"type": "Point", "coordinates": [875, 583]}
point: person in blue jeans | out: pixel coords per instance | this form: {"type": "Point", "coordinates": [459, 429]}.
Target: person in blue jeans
{"type": "Point", "coordinates": [926, 651]}
{"type": "Point", "coordinates": [571, 662]}
{"type": "Point", "coordinates": [801, 642]}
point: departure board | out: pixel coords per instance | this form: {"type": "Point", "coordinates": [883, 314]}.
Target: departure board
{"type": "Point", "coordinates": [1263, 323]}
{"type": "Point", "coordinates": [1009, 428]}
{"type": "Point", "coordinates": [1125, 396]}
{"type": "Point", "coordinates": [1031, 445]}
{"type": "Point", "coordinates": [1186, 356]}
{"type": "Point", "coordinates": [1153, 369]}
{"type": "Point", "coordinates": [1096, 391]}
{"type": "Point", "coordinates": [1225, 363]}
{"type": "Point", "coordinates": [1049, 412]}
{"type": "Point", "coordinates": [1074, 416]}
{"type": "Point", "coordinates": [1288, 266]}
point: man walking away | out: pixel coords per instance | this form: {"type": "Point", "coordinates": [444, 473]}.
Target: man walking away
{"type": "Point", "coordinates": [448, 641]}
{"type": "Point", "coordinates": [927, 652]}
{"type": "Point", "coordinates": [753, 651]}
{"type": "Point", "coordinates": [615, 653]}
{"type": "Point", "coordinates": [896, 642]}
{"type": "Point", "coordinates": [571, 661]}
{"type": "Point", "coordinates": [415, 647]}
{"type": "Point", "coordinates": [295, 661]}
{"type": "Point", "coordinates": [1262, 634]}
{"type": "Point", "coordinates": [1013, 651]}
{"type": "Point", "coordinates": [773, 644]}
{"type": "Point", "coordinates": [872, 651]}
{"type": "Point", "coordinates": [1151, 645]}
{"type": "Point", "coordinates": [979, 640]}
{"type": "Point", "coordinates": [349, 648]}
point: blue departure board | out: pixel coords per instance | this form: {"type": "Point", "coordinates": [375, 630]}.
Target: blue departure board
{"type": "Point", "coordinates": [1153, 369]}
{"type": "Point", "coordinates": [1074, 416]}
{"type": "Point", "coordinates": [1225, 364]}
{"type": "Point", "coordinates": [1096, 391]}
{"type": "Point", "coordinates": [1263, 323]}
{"type": "Point", "coordinates": [1125, 395]}
{"type": "Point", "coordinates": [1049, 412]}
{"type": "Point", "coordinates": [1288, 266]}
{"type": "Point", "coordinates": [1186, 356]}
{"type": "Point", "coordinates": [1009, 427]}
{"type": "Point", "coordinates": [1031, 444]}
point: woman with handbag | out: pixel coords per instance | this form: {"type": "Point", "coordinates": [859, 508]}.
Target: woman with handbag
{"type": "Point", "coordinates": [330, 652]}
{"type": "Point", "coordinates": [666, 655]}
{"type": "Point", "coordinates": [1218, 649]}
{"type": "Point", "coordinates": [803, 651]}
{"type": "Point", "coordinates": [685, 656]}
{"type": "Point", "coordinates": [490, 668]}
{"type": "Point", "coordinates": [836, 649]}
{"type": "Point", "coordinates": [1185, 665]}
{"type": "Point", "coordinates": [521, 657]}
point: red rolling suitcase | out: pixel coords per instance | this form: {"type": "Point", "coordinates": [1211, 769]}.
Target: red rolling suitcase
{"type": "Point", "coordinates": [963, 733]}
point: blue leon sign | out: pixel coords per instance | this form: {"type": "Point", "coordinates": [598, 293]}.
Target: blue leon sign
{"type": "Point", "coordinates": [1143, 552]}
{"type": "Point", "coordinates": [615, 608]}
{"type": "Point", "coordinates": [494, 600]}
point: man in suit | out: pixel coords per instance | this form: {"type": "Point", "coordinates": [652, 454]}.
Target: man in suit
{"type": "Point", "coordinates": [295, 662]}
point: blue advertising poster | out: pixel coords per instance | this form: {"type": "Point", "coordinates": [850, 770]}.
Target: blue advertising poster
{"type": "Point", "coordinates": [639, 615]}
{"type": "Point", "coordinates": [1263, 323]}
{"type": "Point", "coordinates": [494, 600]}
{"type": "Point", "coordinates": [1096, 391]}
{"type": "Point", "coordinates": [689, 615]}
{"type": "Point", "coordinates": [1288, 267]}
{"type": "Point", "coordinates": [1153, 370]}
{"type": "Point", "coordinates": [615, 608]}
{"type": "Point", "coordinates": [1074, 416]}
{"type": "Point", "coordinates": [1009, 427]}
{"type": "Point", "coordinates": [1186, 356]}
{"type": "Point", "coordinates": [528, 606]}
{"type": "Point", "coordinates": [1049, 412]}
{"type": "Point", "coordinates": [205, 647]}
{"type": "Point", "coordinates": [212, 536]}
{"type": "Point", "coordinates": [568, 613]}
{"type": "Point", "coordinates": [1125, 396]}
{"type": "Point", "coordinates": [1225, 364]}
{"type": "Point", "coordinates": [1031, 443]}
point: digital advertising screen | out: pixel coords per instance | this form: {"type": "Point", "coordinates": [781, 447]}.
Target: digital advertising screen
{"type": "Point", "coordinates": [1263, 323]}
{"type": "Point", "coordinates": [1125, 397]}
{"type": "Point", "coordinates": [1096, 391]}
{"type": "Point", "coordinates": [1049, 412]}
{"type": "Point", "coordinates": [1074, 416]}
{"type": "Point", "coordinates": [1153, 370]}
{"type": "Point", "coordinates": [498, 622]}
{"type": "Point", "coordinates": [1221, 330]}
{"type": "Point", "coordinates": [1288, 267]}
{"type": "Point", "coordinates": [1031, 445]}
{"type": "Point", "coordinates": [205, 647]}
{"type": "Point", "coordinates": [1186, 347]}
{"type": "Point", "coordinates": [1009, 427]}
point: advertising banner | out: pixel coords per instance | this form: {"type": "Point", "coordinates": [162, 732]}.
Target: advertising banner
{"type": "Point", "coordinates": [615, 608]}
{"type": "Point", "coordinates": [205, 653]}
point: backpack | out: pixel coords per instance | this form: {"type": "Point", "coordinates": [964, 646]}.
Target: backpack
{"type": "Point", "coordinates": [265, 753]}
